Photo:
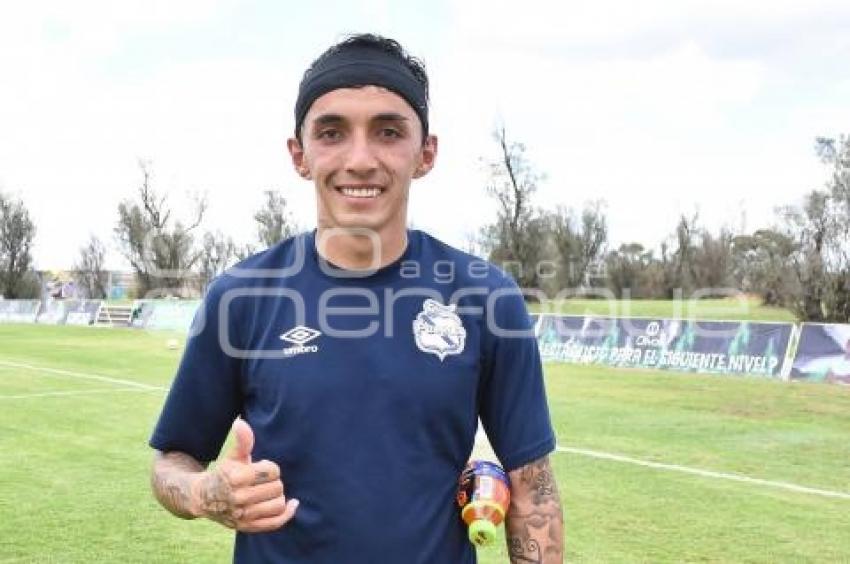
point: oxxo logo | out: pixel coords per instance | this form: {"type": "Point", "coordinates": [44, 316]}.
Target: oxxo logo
{"type": "Point", "coordinates": [299, 337]}
{"type": "Point", "coordinates": [652, 337]}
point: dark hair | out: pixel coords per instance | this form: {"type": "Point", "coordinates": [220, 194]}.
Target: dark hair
{"type": "Point", "coordinates": [389, 46]}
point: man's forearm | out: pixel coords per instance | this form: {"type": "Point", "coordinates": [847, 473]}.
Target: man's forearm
{"type": "Point", "coordinates": [171, 480]}
{"type": "Point", "coordinates": [535, 522]}
{"type": "Point", "coordinates": [237, 493]}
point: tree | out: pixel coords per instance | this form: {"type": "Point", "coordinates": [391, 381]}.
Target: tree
{"type": "Point", "coordinates": [160, 250]}
{"type": "Point", "coordinates": [244, 251]}
{"type": "Point", "coordinates": [761, 264]}
{"type": "Point", "coordinates": [819, 229]}
{"type": "Point", "coordinates": [712, 263]}
{"type": "Point", "coordinates": [625, 267]}
{"type": "Point", "coordinates": [809, 226]}
{"type": "Point", "coordinates": [89, 271]}
{"type": "Point", "coordinates": [517, 239]}
{"type": "Point", "coordinates": [16, 234]}
{"type": "Point", "coordinates": [217, 253]}
{"type": "Point", "coordinates": [274, 222]}
{"type": "Point", "coordinates": [580, 246]}
{"type": "Point", "coordinates": [681, 264]}
{"type": "Point", "coordinates": [836, 153]}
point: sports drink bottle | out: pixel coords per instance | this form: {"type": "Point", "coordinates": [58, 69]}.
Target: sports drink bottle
{"type": "Point", "coordinates": [484, 495]}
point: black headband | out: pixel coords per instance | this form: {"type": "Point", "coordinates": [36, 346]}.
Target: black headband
{"type": "Point", "coordinates": [360, 66]}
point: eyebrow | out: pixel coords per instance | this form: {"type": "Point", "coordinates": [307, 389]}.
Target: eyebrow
{"type": "Point", "coordinates": [326, 119]}
{"type": "Point", "coordinates": [390, 116]}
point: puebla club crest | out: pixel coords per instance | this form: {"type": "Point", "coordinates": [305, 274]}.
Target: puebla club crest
{"type": "Point", "coordinates": [439, 330]}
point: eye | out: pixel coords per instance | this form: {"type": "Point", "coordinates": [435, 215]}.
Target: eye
{"type": "Point", "coordinates": [390, 132]}
{"type": "Point", "coordinates": [330, 134]}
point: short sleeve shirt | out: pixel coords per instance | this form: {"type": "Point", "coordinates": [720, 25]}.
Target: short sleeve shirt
{"type": "Point", "coordinates": [366, 390]}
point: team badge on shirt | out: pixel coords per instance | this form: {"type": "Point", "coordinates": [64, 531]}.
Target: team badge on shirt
{"type": "Point", "coordinates": [439, 330]}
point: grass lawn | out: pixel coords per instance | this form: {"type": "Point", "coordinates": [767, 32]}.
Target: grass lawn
{"type": "Point", "coordinates": [74, 465]}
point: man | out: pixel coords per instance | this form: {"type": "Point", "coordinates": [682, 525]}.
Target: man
{"type": "Point", "coordinates": [357, 359]}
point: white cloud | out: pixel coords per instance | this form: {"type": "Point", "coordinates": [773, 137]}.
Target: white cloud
{"type": "Point", "coordinates": [633, 132]}
{"type": "Point", "coordinates": [537, 23]}
{"type": "Point", "coordinates": [656, 132]}
{"type": "Point", "coordinates": [649, 106]}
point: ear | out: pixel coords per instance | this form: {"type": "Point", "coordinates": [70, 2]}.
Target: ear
{"type": "Point", "coordinates": [296, 151]}
{"type": "Point", "coordinates": [427, 157]}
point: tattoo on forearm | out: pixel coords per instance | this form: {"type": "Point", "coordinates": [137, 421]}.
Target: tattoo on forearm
{"type": "Point", "coordinates": [171, 482]}
{"type": "Point", "coordinates": [538, 477]}
{"type": "Point", "coordinates": [535, 523]}
{"type": "Point", "coordinates": [216, 500]}
{"type": "Point", "coordinates": [174, 476]}
{"type": "Point", "coordinates": [524, 550]}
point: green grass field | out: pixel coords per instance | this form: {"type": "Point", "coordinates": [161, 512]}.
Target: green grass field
{"type": "Point", "coordinates": [74, 463]}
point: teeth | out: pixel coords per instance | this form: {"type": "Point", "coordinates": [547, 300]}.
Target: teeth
{"type": "Point", "coordinates": [361, 192]}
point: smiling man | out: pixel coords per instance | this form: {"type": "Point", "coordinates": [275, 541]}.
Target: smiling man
{"type": "Point", "coordinates": [352, 377]}
{"type": "Point", "coordinates": [361, 147]}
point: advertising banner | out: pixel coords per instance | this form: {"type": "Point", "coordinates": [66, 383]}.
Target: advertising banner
{"type": "Point", "coordinates": [174, 315]}
{"type": "Point", "coordinates": [823, 354]}
{"type": "Point", "coordinates": [142, 311]}
{"type": "Point", "coordinates": [81, 312]}
{"type": "Point", "coordinates": [712, 347]}
{"type": "Point", "coordinates": [19, 311]}
{"type": "Point", "coordinates": [53, 312]}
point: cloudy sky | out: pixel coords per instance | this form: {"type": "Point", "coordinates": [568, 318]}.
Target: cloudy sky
{"type": "Point", "coordinates": [658, 107]}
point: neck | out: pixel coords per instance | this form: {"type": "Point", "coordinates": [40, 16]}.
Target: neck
{"type": "Point", "coordinates": [360, 251]}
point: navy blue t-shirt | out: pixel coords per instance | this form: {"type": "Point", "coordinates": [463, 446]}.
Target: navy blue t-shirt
{"type": "Point", "coordinates": [365, 390]}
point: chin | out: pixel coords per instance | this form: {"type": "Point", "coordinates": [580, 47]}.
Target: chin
{"type": "Point", "coordinates": [371, 224]}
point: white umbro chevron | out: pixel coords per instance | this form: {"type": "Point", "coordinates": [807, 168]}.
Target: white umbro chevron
{"type": "Point", "coordinates": [300, 336]}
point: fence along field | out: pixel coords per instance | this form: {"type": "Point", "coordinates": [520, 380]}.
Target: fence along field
{"type": "Point", "coordinates": [77, 404]}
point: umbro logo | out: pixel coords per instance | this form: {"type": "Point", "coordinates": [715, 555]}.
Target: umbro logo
{"type": "Point", "coordinates": [300, 336]}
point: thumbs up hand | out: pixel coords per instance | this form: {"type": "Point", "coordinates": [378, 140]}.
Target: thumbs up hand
{"type": "Point", "coordinates": [244, 437]}
{"type": "Point", "coordinates": [241, 494]}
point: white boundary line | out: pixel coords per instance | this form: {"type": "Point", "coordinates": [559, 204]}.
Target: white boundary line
{"type": "Point", "coordinates": [703, 473]}
{"type": "Point", "coordinates": [74, 393]}
{"type": "Point", "coordinates": [138, 386]}
{"type": "Point", "coordinates": [82, 375]}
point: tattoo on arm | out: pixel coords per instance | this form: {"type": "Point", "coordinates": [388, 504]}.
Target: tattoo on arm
{"type": "Point", "coordinates": [171, 481]}
{"type": "Point", "coordinates": [217, 501]}
{"type": "Point", "coordinates": [535, 520]}
{"type": "Point", "coordinates": [261, 477]}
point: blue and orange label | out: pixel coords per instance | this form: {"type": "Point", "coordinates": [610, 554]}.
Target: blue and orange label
{"type": "Point", "coordinates": [483, 492]}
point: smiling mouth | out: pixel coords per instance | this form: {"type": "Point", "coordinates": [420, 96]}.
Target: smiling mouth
{"type": "Point", "coordinates": [364, 192]}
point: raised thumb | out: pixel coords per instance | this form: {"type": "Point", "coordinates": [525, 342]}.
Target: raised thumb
{"type": "Point", "coordinates": [244, 437]}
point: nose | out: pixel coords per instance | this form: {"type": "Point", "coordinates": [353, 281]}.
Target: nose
{"type": "Point", "coordinates": [361, 159]}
